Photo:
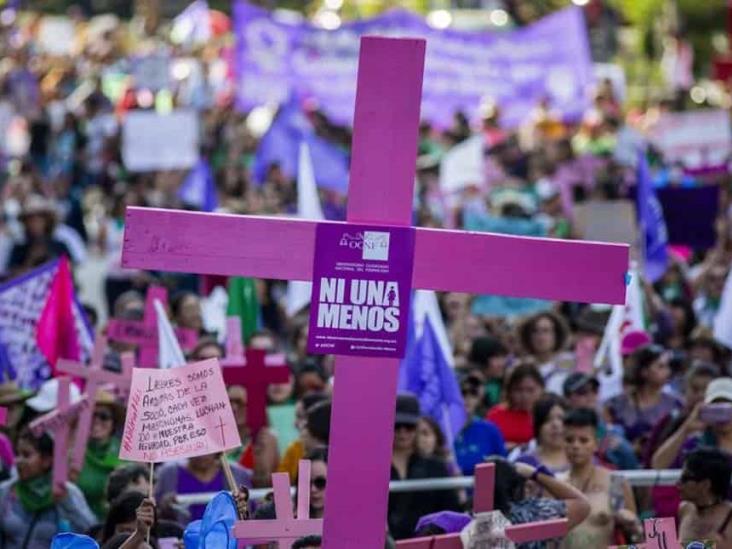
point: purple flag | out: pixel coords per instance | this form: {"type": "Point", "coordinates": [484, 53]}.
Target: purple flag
{"type": "Point", "coordinates": [549, 59]}
{"type": "Point", "coordinates": [425, 371]}
{"type": "Point", "coordinates": [696, 231]}
{"type": "Point", "coordinates": [199, 189]}
{"type": "Point", "coordinates": [651, 222]}
{"type": "Point", "coordinates": [281, 145]}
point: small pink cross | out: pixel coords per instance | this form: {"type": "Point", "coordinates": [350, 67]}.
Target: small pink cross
{"type": "Point", "coordinates": [95, 376]}
{"type": "Point", "coordinates": [144, 333]}
{"type": "Point", "coordinates": [485, 478]}
{"type": "Point", "coordinates": [660, 534]}
{"type": "Point", "coordinates": [61, 437]}
{"type": "Point", "coordinates": [285, 529]}
{"type": "Point", "coordinates": [253, 370]}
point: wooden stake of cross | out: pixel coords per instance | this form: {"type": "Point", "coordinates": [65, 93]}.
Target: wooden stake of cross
{"type": "Point", "coordinates": [485, 478]}
{"type": "Point", "coordinates": [380, 193]}
{"type": "Point", "coordinates": [61, 437]}
{"type": "Point", "coordinates": [144, 333]}
{"type": "Point", "coordinates": [3, 415]}
{"type": "Point", "coordinates": [286, 528]}
{"type": "Point", "coordinates": [95, 376]}
{"type": "Point", "coordinates": [254, 370]}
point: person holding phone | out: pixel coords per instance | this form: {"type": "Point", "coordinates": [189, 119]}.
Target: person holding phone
{"type": "Point", "coordinates": [709, 424]}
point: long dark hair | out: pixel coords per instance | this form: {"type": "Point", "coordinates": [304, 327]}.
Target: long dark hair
{"type": "Point", "coordinates": [441, 450]}
{"type": "Point", "coordinates": [509, 485]}
{"type": "Point", "coordinates": [543, 408]}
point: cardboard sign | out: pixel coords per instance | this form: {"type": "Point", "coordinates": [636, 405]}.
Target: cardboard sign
{"type": "Point", "coordinates": [178, 413]}
{"type": "Point", "coordinates": [700, 140]}
{"type": "Point", "coordinates": [152, 141]}
{"type": "Point", "coordinates": [606, 221]}
{"type": "Point", "coordinates": [661, 534]}
{"type": "Point", "coordinates": [362, 279]}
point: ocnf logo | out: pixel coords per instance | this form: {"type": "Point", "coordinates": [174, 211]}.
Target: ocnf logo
{"type": "Point", "coordinates": [375, 245]}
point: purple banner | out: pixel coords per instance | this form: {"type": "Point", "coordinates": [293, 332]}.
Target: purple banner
{"type": "Point", "coordinates": [362, 279]}
{"type": "Point", "coordinates": [549, 59]}
{"type": "Point", "coordinates": [696, 231]}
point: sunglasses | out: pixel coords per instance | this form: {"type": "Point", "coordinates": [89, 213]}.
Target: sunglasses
{"type": "Point", "coordinates": [318, 482]}
{"type": "Point", "coordinates": [103, 416]}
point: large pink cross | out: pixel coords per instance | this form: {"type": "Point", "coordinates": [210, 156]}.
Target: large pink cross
{"type": "Point", "coordinates": [380, 193]}
{"type": "Point", "coordinates": [485, 477]}
{"type": "Point", "coordinates": [95, 376]}
{"type": "Point", "coordinates": [144, 333]}
{"type": "Point", "coordinates": [286, 528]}
{"type": "Point", "coordinates": [61, 437]}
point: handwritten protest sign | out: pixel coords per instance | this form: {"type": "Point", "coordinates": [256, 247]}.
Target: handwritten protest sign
{"type": "Point", "coordinates": [152, 141]}
{"type": "Point", "coordinates": [178, 413]}
{"type": "Point", "coordinates": [661, 534]}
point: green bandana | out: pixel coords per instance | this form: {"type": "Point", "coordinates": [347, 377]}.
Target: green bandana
{"type": "Point", "coordinates": [35, 493]}
{"type": "Point", "coordinates": [103, 455]}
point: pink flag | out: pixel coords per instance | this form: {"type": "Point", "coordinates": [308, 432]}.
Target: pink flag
{"type": "Point", "coordinates": [56, 330]}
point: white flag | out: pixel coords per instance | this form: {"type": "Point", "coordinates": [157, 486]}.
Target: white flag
{"type": "Point", "coordinates": [170, 354]}
{"type": "Point", "coordinates": [723, 320]}
{"type": "Point", "coordinates": [308, 207]}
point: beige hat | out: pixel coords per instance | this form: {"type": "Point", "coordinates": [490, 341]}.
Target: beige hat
{"type": "Point", "coordinates": [720, 388]}
{"type": "Point", "coordinates": [37, 204]}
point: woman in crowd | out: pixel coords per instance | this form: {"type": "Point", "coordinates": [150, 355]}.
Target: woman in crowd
{"type": "Point", "coordinates": [490, 356]}
{"type": "Point", "coordinates": [611, 501]}
{"type": "Point", "coordinates": [699, 428]}
{"type": "Point", "coordinates": [478, 438]}
{"type": "Point", "coordinates": [186, 310]}
{"type": "Point", "coordinates": [318, 480]}
{"type": "Point", "coordinates": [523, 388]}
{"type": "Point", "coordinates": [31, 512]}
{"type": "Point", "coordinates": [706, 512]}
{"type": "Point", "coordinates": [543, 338]}
{"type": "Point", "coordinates": [195, 475]}
{"type": "Point", "coordinates": [547, 446]}
{"type": "Point", "coordinates": [102, 451]}
{"type": "Point", "coordinates": [563, 501]}
{"type": "Point", "coordinates": [406, 508]}
{"type": "Point", "coordinates": [296, 450]}
{"type": "Point", "coordinates": [640, 408]}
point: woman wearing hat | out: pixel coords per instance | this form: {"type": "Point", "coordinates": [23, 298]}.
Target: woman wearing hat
{"type": "Point", "coordinates": [31, 513]}
{"type": "Point", "coordinates": [39, 221]}
{"type": "Point", "coordinates": [102, 452]}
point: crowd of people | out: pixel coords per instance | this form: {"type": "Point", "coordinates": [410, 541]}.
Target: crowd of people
{"type": "Point", "coordinates": [555, 431]}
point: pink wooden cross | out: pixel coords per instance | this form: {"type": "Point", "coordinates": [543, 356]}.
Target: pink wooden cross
{"type": "Point", "coordinates": [95, 376]}
{"type": "Point", "coordinates": [253, 370]}
{"type": "Point", "coordinates": [286, 528]}
{"type": "Point", "coordinates": [485, 477]}
{"type": "Point", "coordinates": [660, 534]}
{"type": "Point", "coordinates": [144, 333]}
{"type": "Point", "coordinates": [61, 437]}
{"type": "Point", "coordinates": [380, 193]}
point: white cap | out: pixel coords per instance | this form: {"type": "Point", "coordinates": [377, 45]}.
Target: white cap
{"type": "Point", "coordinates": [47, 397]}
{"type": "Point", "coordinates": [720, 388]}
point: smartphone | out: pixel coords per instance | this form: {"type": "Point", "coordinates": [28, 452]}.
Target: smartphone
{"type": "Point", "coordinates": [716, 413]}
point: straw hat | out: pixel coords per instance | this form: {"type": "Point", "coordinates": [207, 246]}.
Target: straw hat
{"type": "Point", "coordinates": [10, 393]}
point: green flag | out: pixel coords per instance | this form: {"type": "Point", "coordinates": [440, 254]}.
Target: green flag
{"type": "Point", "coordinates": [243, 303]}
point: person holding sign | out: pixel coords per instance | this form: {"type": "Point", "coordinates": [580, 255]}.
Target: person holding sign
{"type": "Point", "coordinates": [30, 512]}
